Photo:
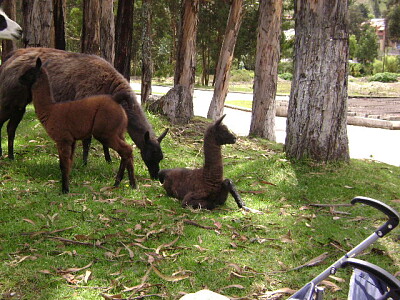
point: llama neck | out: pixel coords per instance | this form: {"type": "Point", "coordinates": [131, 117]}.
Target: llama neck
{"type": "Point", "coordinates": [213, 169]}
{"type": "Point", "coordinates": [42, 97]}
{"type": "Point", "coordinates": [138, 124]}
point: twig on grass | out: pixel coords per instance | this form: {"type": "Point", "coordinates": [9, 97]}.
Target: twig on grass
{"type": "Point", "coordinates": [330, 205]}
{"type": "Point", "coordinates": [190, 222]}
{"type": "Point", "coordinates": [77, 242]}
{"type": "Point", "coordinates": [36, 233]}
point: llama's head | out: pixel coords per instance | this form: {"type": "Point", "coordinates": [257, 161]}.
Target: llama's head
{"type": "Point", "coordinates": [221, 133]}
{"type": "Point", "coordinates": [152, 154]}
{"type": "Point", "coordinates": [9, 30]}
{"type": "Point", "coordinates": [31, 75]}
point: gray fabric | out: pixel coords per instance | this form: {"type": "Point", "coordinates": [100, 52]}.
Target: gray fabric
{"type": "Point", "coordinates": [364, 286]}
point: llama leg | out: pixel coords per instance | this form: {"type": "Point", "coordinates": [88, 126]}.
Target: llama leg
{"type": "Point", "coordinates": [120, 173]}
{"type": "Point", "coordinates": [131, 172]}
{"type": "Point", "coordinates": [197, 200]}
{"type": "Point", "coordinates": [64, 153]}
{"type": "Point", "coordinates": [86, 146]}
{"type": "Point", "coordinates": [228, 184]}
{"type": "Point", "coordinates": [107, 155]}
{"type": "Point", "coordinates": [12, 125]}
{"type": "Point", "coordinates": [3, 118]}
{"type": "Point", "coordinates": [125, 152]}
{"type": "Point", "coordinates": [232, 190]}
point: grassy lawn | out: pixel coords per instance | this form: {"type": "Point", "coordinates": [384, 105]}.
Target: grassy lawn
{"type": "Point", "coordinates": [102, 243]}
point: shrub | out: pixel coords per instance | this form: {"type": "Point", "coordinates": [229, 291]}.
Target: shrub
{"type": "Point", "coordinates": [356, 69]}
{"type": "Point", "coordinates": [384, 77]}
{"type": "Point", "coordinates": [241, 76]}
{"type": "Point", "coordinates": [285, 67]}
{"type": "Point", "coordinates": [286, 76]}
{"type": "Point", "coordinates": [392, 65]}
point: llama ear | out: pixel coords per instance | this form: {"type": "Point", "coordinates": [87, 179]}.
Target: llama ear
{"type": "Point", "coordinates": [162, 136]}
{"type": "Point", "coordinates": [219, 121]}
{"type": "Point", "coordinates": [146, 137]}
{"type": "Point", "coordinates": [38, 63]}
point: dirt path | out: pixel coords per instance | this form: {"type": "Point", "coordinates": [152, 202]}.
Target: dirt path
{"type": "Point", "coordinates": [378, 108]}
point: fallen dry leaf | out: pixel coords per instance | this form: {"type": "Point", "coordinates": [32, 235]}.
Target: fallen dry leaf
{"type": "Point", "coordinates": [74, 270]}
{"type": "Point", "coordinates": [169, 278]}
{"type": "Point", "coordinates": [201, 249]}
{"type": "Point", "coordinates": [287, 238]}
{"type": "Point", "coordinates": [166, 245]}
{"type": "Point", "coordinates": [334, 287]}
{"type": "Point", "coordinates": [88, 276]}
{"type": "Point", "coordinates": [131, 254]}
{"type": "Point", "coordinates": [236, 286]}
{"type": "Point", "coordinates": [280, 291]}
{"type": "Point", "coordinates": [29, 221]}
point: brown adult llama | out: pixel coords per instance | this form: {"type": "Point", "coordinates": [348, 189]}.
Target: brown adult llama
{"type": "Point", "coordinates": [204, 187]}
{"type": "Point", "coordinates": [74, 76]}
{"type": "Point", "coordinates": [101, 116]}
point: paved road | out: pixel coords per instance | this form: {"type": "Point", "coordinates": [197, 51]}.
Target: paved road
{"type": "Point", "coordinates": [365, 143]}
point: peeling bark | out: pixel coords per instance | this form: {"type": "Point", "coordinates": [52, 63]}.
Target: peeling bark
{"type": "Point", "coordinates": [266, 69]}
{"type": "Point", "coordinates": [225, 60]}
{"type": "Point", "coordinates": [317, 113]}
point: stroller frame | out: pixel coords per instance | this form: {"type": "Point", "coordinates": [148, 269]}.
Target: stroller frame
{"type": "Point", "coordinates": [311, 289]}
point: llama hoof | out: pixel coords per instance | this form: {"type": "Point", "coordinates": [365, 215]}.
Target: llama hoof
{"type": "Point", "coordinates": [65, 191]}
{"type": "Point", "coordinates": [252, 210]}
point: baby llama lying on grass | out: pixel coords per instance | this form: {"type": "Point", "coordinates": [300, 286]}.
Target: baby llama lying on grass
{"type": "Point", "coordinates": [204, 187]}
{"type": "Point", "coordinates": [101, 116]}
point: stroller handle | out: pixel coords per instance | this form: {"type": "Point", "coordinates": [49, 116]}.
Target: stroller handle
{"type": "Point", "coordinates": [391, 213]}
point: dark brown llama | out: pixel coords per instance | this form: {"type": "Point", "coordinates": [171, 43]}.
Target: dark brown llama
{"type": "Point", "coordinates": [101, 116]}
{"type": "Point", "coordinates": [74, 76]}
{"type": "Point", "coordinates": [204, 187]}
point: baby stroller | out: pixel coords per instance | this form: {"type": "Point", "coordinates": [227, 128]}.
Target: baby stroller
{"type": "Point", "coordinates": [368, 281]}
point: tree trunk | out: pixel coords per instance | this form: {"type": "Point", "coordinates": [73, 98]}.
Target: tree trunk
{"type": "Point", "coordinates": [59, 24]}
{"type": "Point", "coordinates": [147, 64]}
{"type": "Point", "coordinates": [38, 23]}
{"type": "Point", "coordinates": [91, 27]}
{"type": "Point", "coordinates": [266, 69]}
{"type": "Point", "coordinates": [107, 31]}
{"type": "Point", "coordinates": [123, 37]}
{"type": "Point", "coordinates": [317, 113]}
{"type": "Point", "coordinates": [176, 105]}
{"type": "Point", "coordinates": [186, 59]}
{"type": "Point", "coordinates": [185, 68]}
{"type": "Point", "coordinates": [7, 45]}
{"type": "Point", "coordinates": [225, 60]}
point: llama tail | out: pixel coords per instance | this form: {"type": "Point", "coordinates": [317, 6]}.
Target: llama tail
{"type": "Point", "coordinates": [123, 97]}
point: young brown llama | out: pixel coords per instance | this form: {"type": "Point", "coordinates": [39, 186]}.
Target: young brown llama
{"type": "Point", "coordinates": [101, 116]}
{"type": "Point", "coordinates": [204, 187]}
{"type": "Point", "coordinates": [74, 76]}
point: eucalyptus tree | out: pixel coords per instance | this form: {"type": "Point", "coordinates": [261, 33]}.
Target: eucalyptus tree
{"type": "Point", "coordinates": [317, 113]}
{"type": "Point", "coordinates": [59, 23]}
{"type": "Point", "coordinates": [266, 69]}
{"type": "Point", "coordinates": [37, 23]}
{"type": "Point", "coordinates": [90, 42]}
{"type": "Point", "coordinates": [124, 37]}
{"type": "Point", "coordinates": [222, 73]}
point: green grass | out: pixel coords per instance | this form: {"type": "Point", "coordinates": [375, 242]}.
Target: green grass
{"type": "Point", "coordinates": [132, 243]}
{"type": "Point", "coordinates": [240, 103]}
